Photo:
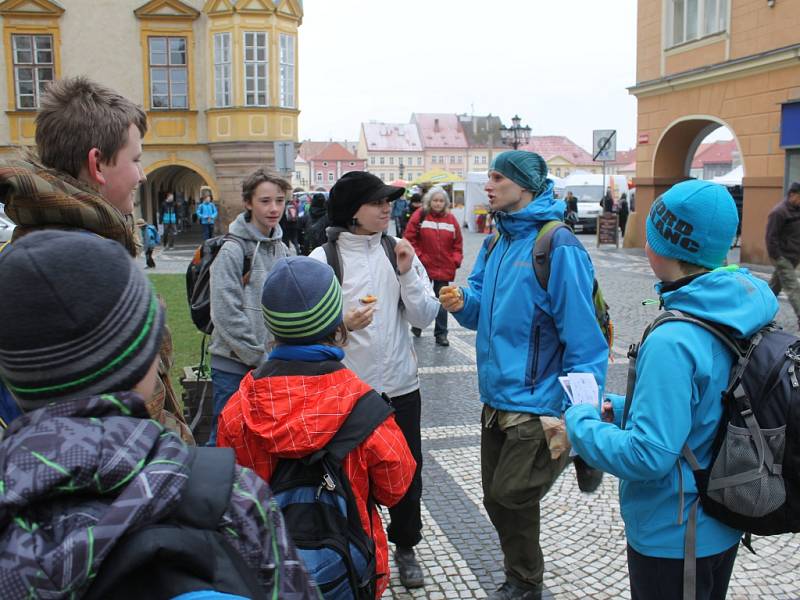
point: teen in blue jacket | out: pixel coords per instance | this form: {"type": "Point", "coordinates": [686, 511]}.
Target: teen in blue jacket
{"type": "Point", "coordinates": [527, 338]}
{"type": "Point", "coordinates": [681, 371]}
{"type": "Point", "coordinates": [207, 215]}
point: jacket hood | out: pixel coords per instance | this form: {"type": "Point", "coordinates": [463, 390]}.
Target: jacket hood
{"type": "Point", "coordinates": [542, 209]}
{"type": "Point", "coordinates": [36, 197]}
{"type": "Point", "coordinates": [293, 425]}
{"type": "Point", "coordinates": [240, 227]}
{"type": "Point", "coordinates": [730, 296]}
{"type": "Point", "coordinates": [77, 476]}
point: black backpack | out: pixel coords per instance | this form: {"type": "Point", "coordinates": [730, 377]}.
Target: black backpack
{"type": "Point", "coordinates": [321, 513]}
{"type": "Point", "coordinates": [753, 480]}
{"type": "Point", "coordinates": [198, 278]}
{"type": "Point", "coordinates": [315, 232]}
{"type": "Point", "coordinates": [186, 552]}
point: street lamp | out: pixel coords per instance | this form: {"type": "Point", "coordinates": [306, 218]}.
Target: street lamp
{"type": "Point", "coordinates": [400, 168]}
{"type": "Point", "coordinates": [515, 136]}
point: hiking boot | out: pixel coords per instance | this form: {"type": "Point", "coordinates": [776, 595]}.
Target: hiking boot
{"type": "Point", "coordinates": [441, 340]}
{"type": "Point", "coordinates": [510, 591]}
{"type": "Point", "coordinates": [408, 568]}
{"type": "Point", "coordinates": [416, 331]}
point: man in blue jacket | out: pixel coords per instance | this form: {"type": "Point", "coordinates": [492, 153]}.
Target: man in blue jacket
{"type": "Point", "coordinates": [527, 338]}
{"type": "Point", "coordinates": [681, 371]}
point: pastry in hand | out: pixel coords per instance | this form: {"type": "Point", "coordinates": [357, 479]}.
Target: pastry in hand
{"type": "Point", "coordinates": [368, 299]}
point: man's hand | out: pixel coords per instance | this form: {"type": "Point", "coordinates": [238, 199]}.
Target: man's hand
{"type": "Point", "coordinates": [451, 298]}
{"type": "Point", "coordinates": [358, 318]}
{"type": "Point", "coordinates": [404, 252]}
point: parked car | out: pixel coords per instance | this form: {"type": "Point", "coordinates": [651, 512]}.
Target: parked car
{"type": "Point", "coordinates": [6, 228]}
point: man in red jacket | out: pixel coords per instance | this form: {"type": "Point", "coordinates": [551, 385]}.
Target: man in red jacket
{"type": "Point", "coordinates": [436, 236]}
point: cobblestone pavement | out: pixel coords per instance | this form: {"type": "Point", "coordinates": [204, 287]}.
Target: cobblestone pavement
{"type": "Point", "coordinates": [583, 537]}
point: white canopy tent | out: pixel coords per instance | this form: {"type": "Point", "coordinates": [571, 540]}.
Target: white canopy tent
{"type": "Point", "coordinates": [474, 196]}
{"type": "Point", "coordinates": [731, 178]}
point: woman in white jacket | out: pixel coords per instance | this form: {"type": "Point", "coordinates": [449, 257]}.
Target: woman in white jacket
{"type": "Point", "coordinates": [380, 349]}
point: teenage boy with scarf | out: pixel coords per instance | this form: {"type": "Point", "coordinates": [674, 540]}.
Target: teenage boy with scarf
{"type": "Point", "coordinates": [84, 176]}
{"type": "Point", "coordinates": [294, 403]}
{"type": "Point", "coordinates": [527, 338]}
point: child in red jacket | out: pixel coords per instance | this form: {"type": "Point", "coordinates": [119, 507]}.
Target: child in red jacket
{"type": "Point", "coordinates": [294, 403]}
{"type": "Point", "coordinates": [436, 236]}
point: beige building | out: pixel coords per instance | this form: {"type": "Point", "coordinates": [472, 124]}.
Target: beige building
{"type": "Point", "coordinates": [217, 78]}
{"type": "Point", "coordinates": [392, 150]}
{"type": "Point", "coordinates": [711, 63]}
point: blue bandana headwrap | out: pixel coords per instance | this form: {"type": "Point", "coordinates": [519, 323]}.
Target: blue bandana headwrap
{"type": "Point", "coordinates": [527, 169]}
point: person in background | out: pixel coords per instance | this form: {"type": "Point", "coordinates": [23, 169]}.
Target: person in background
{"type": "Point", "coordinates": [207, 214]}
{"type": "Point", "coordinates": [623, 212]}
{"type": "Point", "coordinates": [436, 236]}
{"type": "Point", "coordinates": [149, 241]}
{"type": "Point", "coordinates": [399, 210]}
{"type": "Point", "coordinates": [607, 202]}
{"type": "Point", "coordinates": [783, 247]}
{"type": "Point", "coordinates": [169, 219]}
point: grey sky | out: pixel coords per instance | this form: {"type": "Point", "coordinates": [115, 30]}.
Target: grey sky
{"type": "Point", "coordinates": [562, 65]}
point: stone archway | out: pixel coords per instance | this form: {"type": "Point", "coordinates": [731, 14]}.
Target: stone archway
{"type": "Point", "coordinates": [180, 177]}
{"type": "Point", "coordinates": [671, 164]}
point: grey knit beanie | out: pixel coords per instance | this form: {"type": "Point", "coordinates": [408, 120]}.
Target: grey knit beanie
{"type": "Point", "coordinates": [77, 318]}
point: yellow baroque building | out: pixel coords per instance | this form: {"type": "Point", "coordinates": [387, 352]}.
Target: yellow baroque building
{"type": "Point", "coordinates": [217, 78]}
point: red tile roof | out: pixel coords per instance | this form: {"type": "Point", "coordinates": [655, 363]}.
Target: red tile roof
{"type": "Point", "coordinates": [391, 137]}
{"type": "Point", "coordinates": [440, 130]}
{"type": "Point", "coordinates": [550, 146]}
{"type": "Point", "coordinates": [720, 152]}
{"type": "Point", "coordinates": [309, 149]}
{"type": "Point", "coordinates": [625, 157]}
{"type": "Point", "coordinates": [335, 151]}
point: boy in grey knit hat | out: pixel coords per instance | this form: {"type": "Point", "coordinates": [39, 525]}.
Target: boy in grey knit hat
{"type": "Point", "coordinates": [86, 472]}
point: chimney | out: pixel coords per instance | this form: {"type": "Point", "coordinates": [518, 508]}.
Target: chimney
{"type": "Point", "coordinates": [436, 125]}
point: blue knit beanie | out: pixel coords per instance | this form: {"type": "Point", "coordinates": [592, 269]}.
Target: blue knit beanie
{"type": "Point", "coordinates": [301, 300]}
{"type": "Point", "coordinates": [694, 221]}
{"type": "Point", "coordinates": [527, 169]}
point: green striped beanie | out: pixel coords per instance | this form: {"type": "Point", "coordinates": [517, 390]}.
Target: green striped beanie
{"type": "Point", "coordinates": [301, 300]}
{"type": "Point", "coordinates": [78, 318]}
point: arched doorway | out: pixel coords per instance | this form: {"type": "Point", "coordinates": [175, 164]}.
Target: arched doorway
{"type": "Point", "coordinates": [180, 178]}
{"type": "Point", "coordinates": [675, 160]}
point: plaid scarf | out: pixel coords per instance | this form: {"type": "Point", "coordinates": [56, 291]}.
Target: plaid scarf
{"type": "Point", "coordinates": [39, 198]}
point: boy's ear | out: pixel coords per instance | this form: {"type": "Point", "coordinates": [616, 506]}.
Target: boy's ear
{"type": "Point", "coordinates": [94, 167]}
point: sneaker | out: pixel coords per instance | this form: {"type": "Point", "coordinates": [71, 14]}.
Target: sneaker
{"type": "Point", "coordinates": [441, 340]}
{"type": "Point", "coordinates": [416, 331]}
{"type": "Point", "coordinates": [408, 568]}
{"type": "Point", "coordinates": [510, 591]}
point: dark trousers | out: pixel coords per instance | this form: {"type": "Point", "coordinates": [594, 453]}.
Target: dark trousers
{"type": "Point", "coordinates": [662, 578]}
{"type": "Point", "coordinates": [208, 231]}
{"type": "Point", "coordinates": [148, 257]}
{"type": "Point", "coordinates": [225, 385]}
{"type": "Point", "coordinates": [440, 327]}
{"type": "Point", "coordinates": [170, 230]}
{"type": "Point", "coordinates": [405, 528]}
{"type": "Point", "coordinates": [516, 473]}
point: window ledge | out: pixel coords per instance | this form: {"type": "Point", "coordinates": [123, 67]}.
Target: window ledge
{"type": "Point", "coordinates": [171, 111]}
{"type": "Point", "coordinates": [707, 40]}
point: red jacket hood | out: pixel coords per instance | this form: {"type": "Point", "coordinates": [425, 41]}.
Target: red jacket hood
{"type": "Point", "coordinates": [298, 414]}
